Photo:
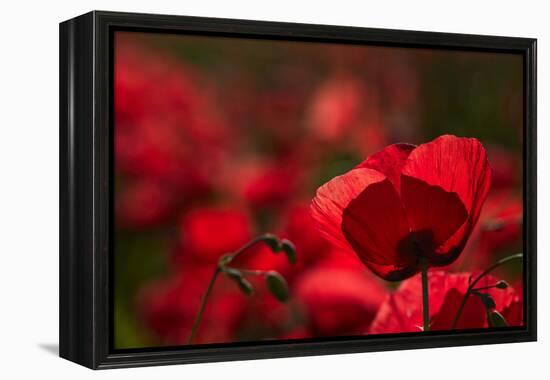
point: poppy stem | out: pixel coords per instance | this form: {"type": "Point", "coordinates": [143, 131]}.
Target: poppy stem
{"type": "Point", "coordinates": [222, 266]}
{"type": "Point", "coordinates": [517, 256]}
{"type": "Point", "coordinates": [252, 272]}
{"type": "Point", "coordinates": [250, 244]}
{"type": "Point", "coordinates": [425, 296]}
{"type": "Point", "coordinates": [204, 300]}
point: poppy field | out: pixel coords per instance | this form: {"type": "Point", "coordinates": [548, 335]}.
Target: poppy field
{"type": "Point", "coordinates": [287, 190]}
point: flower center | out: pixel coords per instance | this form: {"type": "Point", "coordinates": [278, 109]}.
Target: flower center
{"type": "Point", "coordinates": [416, 245]}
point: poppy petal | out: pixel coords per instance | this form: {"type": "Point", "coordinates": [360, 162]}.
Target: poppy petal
{"type": "Point", "coordinates": [394, 272]}
{"type": "Point", "coordinates": [472, 315]}
{"type": "Point", "coordinates": [402, 310]}
{"type": "Point", "coordinates": [389, 161]}
{"type": "Point", "coordinates": [457, 165]}
{"type": "Point", "coordinates": [433, 214]}
{"type": "Point", "coordinates": [334, 196]}
{"type": "Point", "coordinates": [375, 225]}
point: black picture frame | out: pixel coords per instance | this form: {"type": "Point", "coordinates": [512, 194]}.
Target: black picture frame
{"type": "Point", "coordinates": [86, 207]}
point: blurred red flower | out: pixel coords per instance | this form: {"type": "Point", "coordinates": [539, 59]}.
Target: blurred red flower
{"type": "Point", "coordinates": [339, 301]}
{"type": "Point", "coordinates": [346, 110]}
{"type": "Point", "coordinates": [210, 232]}
{"type": "Point", "coordinates": [499, 229]}
{"type": "Point", "coordinates": [501, 221]}
{"type": "Point", "coordinates": [506, 168]}
{"type": "Point", "coordinates": [335, 107]}
{"type": "Point", "coordinates": [144, 204]}
{"type": "Point", "coordinates": [298, 227]}
{"type": "Point", "coordinates": [406, 204]}
{"type": "Point", "coordinates": [402, 310]}
{"type": "Point", "coordinates": [154, 150]}
{"type": "Point", "coordinates": [169, 307]}
{"type": "Point", "coordinates": [168, 129]}
{"type": "Point", "coordinates": [271, 185]}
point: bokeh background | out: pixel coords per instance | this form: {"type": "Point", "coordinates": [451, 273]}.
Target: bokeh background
{"type": "Point", "coordinates": [218, 140]}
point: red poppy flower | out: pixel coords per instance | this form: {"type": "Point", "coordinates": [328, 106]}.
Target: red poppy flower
{"type": "Point", "coordinates": [406, 204]}
{"type": "Point", "coordinates": [402, 310]}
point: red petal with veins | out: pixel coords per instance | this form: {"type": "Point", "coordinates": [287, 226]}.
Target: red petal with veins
{"type": "Point", "coordinates": [333, 197]}
{"type": "Point", "coordinates": [389, 161]}
{"type": "Point", "coordinates": [433, 215]}
{"type": "Point", "coordinates": [457, 165]}
{"type": "Point", "coordinates": [375, 225]}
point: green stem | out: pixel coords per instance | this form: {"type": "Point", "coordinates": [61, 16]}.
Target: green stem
{"type": "Point", "coordinates": [425, 296]}
{"type": "Point", "coordinates": [203, 305]}
{"type": "Point", "coordinates": [204, 300]}
{"type": "Point", "coordinates": [249, 245]}
{"type": "Point", "coordinates": [484, 288]}
{"type": "Point", "coordinates": [252, 272]}
{"type": "Point", "coordinates": [517, 256]}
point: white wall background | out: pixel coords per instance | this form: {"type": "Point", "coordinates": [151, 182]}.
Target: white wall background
{"type": "Point", "coordinates": [29, 187]}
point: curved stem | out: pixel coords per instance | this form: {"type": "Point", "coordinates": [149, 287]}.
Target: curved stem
{"type": "Point", "coordinates": [518, 256]}
{"type": "Point", "coordinates": [203, 305]}
{"type": "Point", "coordinates": [484, 288]}
{"type": "Point", "coordinates": [425, 297]}
{"type": "Point", "coordinates": [252, 272]}
{"type": "Point", "coordinates": [219, 268]}
{"type": "Point", "coordinates": [249, 245]}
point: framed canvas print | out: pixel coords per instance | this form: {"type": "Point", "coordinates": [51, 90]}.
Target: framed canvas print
{"type": "Point", "coordinates": [237, 189]}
